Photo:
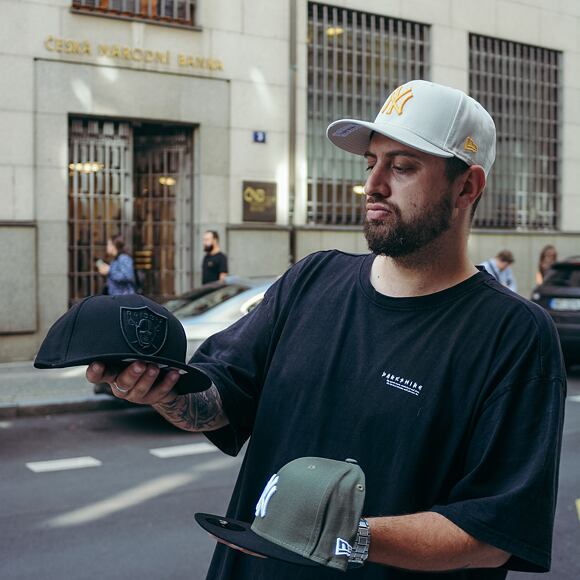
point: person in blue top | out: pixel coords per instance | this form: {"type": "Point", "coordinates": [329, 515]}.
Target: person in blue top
{"type": "Point", "coordinates": [500, 268]}
{"type": "Point", "coordinates": [120, 272]}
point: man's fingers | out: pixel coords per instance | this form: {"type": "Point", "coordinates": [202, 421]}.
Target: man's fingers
{"type": "Point", "coordinates": [154, 387]}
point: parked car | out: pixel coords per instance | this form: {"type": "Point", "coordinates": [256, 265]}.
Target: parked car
{"type": "Point", "coordinates": [559, 294]}
{"type": "Point", "coordinates": [213, 307]}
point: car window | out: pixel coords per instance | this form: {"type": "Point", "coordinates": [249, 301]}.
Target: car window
{"type": "Point", "coordinates": [203, 303]}
{"type": "Point", "coordinates": [563, 276]}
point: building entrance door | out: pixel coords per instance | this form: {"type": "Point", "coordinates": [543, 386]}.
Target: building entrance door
{"type": "Point", "coordinates": [134, 179]}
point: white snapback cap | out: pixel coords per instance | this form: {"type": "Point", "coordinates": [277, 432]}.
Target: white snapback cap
{"type": "Point", "coordinates": [429, 117]}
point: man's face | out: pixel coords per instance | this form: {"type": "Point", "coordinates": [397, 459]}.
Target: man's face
{"type": "Point", "coordinates": [409, 199]}
{"type": "Point", "coordinates": [208, 242]}
{"type": "Point", "coordinates": [502, 265]}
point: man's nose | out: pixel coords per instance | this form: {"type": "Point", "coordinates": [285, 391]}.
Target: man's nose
{"type": "Point", "coordinates": [376, 185]}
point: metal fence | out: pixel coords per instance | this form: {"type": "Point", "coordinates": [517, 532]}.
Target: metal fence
{"type": "Point", "coordinates": [355, 60]}
{"type": "Point", "coordinates": [520, 87]}
{"type": "Point", "coordinates": [174, 11]}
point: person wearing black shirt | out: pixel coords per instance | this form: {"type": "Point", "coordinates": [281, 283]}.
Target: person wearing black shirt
{"type": "Point", "coordinates": [445, 386]}
{"type": "Point", "coordinates": [215, 262]}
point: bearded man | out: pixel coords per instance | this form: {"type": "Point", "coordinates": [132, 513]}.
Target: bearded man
{"type": "Point", "coordinates": [446, 388]}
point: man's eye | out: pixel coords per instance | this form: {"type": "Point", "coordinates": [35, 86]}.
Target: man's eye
{"type": "Point", "coordinates": [401, 168]}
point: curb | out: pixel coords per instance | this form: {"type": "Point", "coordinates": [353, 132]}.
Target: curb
{"type": "Point", "coordinates": [33, 409]}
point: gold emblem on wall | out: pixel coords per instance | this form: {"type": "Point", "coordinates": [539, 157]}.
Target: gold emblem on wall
{"type": "Point", "coordinates": [259, 199]}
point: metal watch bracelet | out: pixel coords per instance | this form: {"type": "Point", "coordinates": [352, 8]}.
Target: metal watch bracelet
{"type": "Point", "coordinates": [360, 548]}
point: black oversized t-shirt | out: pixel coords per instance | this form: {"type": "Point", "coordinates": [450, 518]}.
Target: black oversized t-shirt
{"type": "Point", "coordinates": [451, 402]}
{"type": "Point", "coordinates": [213, 265]}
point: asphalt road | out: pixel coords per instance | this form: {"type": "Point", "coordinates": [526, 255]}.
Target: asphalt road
{"type": "Point", "coordinates": [129, 512]}
{"type": "Point", "coordinates": [131, 516]}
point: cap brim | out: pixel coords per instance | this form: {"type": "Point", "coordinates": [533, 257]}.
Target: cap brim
{"type": "Point", "coordinates": [192, 380]}
{"type": "Point", "coordinates": [240, 534]}
{"type": "Point", "coordinates": [353, 136]}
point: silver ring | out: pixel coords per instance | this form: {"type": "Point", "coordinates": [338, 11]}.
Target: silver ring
{"type": "Point", "coordinates": [118, 388]}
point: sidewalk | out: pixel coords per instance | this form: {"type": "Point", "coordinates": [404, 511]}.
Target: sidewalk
{"type": "Point", "coordinates": [25, 390]}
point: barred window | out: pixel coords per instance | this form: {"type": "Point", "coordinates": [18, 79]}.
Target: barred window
{"type": "Point", "coordinates": [180, 12]}
{"type": "Point", "coordinates": [355, 60]}
{"type": "Point", "coordinates": [520, 87]}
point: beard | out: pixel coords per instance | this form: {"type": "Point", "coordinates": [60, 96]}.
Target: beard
{"type": "Point", "coordinates": [396, 238]}
{"type": "Point", "coordinates": [208, 248]}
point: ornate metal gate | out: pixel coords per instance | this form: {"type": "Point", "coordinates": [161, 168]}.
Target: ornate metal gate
{"type": "Point", "coordinates": [135, 180]}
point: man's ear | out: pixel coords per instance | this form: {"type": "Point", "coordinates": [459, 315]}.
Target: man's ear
{"type": "Point", "coordinates": [472, 183]}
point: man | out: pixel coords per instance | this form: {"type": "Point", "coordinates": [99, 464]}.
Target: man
{"type": "Point", "coordinates": [215, 262]}
{"type": "Point", "coordinates": [447, 389]}
{"type": "Point", "coordinates": [500, 268]}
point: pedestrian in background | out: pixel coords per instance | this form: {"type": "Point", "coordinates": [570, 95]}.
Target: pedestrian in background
{"type": "Point", "coordinates": [120, 272]}
{"type": "Point", "coordinates": [548, 256]}
{"type": "Point", "coordinates": [215, 262]}
{"type": "Point", "coordinates": [500, 268]}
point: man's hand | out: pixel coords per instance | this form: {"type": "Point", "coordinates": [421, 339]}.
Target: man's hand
{"type": "Point", "coordinates": [137, 383]}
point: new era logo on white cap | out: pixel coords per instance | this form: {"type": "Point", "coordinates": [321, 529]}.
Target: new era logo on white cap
{"type": "Point", "coordinates": [432, 118]}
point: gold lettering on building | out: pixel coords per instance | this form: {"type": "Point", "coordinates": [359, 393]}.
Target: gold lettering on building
{"type": "Point", "coordinates": [129, 54]}
{"type": "Point", "coordinates": [185, 60]}
{"type": "Point", "coordinates": [64, 46]}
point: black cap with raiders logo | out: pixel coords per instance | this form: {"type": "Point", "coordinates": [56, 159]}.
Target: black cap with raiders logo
{"type": "Point", "coordinates": [120, 329]}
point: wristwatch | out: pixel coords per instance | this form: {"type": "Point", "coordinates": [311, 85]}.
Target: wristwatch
{"type": "Point", "coordinates": [360, 548]}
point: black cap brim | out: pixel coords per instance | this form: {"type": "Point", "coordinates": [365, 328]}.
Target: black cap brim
{"type": "Point", "coordinates": [192, 380]}
{"type": "Point", "coordinates": [240, 534]}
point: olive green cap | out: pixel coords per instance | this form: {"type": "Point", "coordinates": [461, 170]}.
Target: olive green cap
{"type": "Point", "coordinates": [307, 514]}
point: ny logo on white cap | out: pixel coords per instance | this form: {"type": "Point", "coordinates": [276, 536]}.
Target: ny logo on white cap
{"type": "Point", "coordinates": [268, 492]}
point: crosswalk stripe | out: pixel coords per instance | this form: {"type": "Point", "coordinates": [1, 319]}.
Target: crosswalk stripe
{"type": "Point", "coordinates": [63, 464]}
{"type": "Point", "coordinates": [575, 398]}
{"type": "Point", "coordinates": [182, 450]}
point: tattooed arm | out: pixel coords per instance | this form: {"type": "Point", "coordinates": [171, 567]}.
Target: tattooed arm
{"type": "Point", "coordinates": [138, 383]}
{"type": "Point", "coordinates": [195, 412]}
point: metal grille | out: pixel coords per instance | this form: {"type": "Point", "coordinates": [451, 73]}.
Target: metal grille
{"type": "Point", "coordinates": [136, 181]}
{"type": "Point", "coordinates": [100, 197]}
{"type": "Point", "coordinates": [520, 87]}
{"type": "Point", "coordinates": [175, 11]}
{"type": "Point", "coordinates": [354, 61]}
{"type": "Point", "coordinates": [162, 211]}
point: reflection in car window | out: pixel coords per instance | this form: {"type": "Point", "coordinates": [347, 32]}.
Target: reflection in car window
{"type": "Point", "coordinates": [566, 276]}
{"type": "Point", "coordinates": [200, 304]}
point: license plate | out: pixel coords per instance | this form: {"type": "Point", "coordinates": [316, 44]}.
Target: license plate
{"type": "Point", "coordinates": [565, 303]}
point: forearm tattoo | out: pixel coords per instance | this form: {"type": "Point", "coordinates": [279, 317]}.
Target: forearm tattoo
{"type": "Point", "coordinates": [196, 411]}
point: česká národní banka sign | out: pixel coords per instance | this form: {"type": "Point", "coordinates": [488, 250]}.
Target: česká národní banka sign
{"type": "Point", "coordinates": [129, 54]}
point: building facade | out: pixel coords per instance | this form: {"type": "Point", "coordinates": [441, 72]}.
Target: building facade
{"type": "Point", "coordinates": [160, 119]}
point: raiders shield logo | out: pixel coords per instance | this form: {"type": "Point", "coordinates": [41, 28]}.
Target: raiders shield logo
{"type": "Point", "coordinates": [144, 330]}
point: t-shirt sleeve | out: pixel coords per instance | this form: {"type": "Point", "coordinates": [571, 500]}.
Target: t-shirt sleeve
{"type": "Point", "coordinates": [506, 496]}
{"type": "Point", "coordinates": [237, 361]}
{"type": "Point", "coordinates": [223, 265]}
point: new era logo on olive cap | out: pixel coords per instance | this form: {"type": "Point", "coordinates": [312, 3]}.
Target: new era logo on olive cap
{"type": "Point", "coordinates": [120, 329]}
{"type": "Point", "coordinates": [429, 117]}
{"type": "Point", "coordinates": [308, 514]}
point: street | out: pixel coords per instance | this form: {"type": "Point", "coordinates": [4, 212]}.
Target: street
{"type": "Point", "coordinates": [123, 509]}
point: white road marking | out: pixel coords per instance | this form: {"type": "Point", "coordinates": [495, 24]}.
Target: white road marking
{"type": "Point", "coordinates": [182, 450]}
{"type": "Point", "coordinates": [122, 501]}
{"type": "Point", "coordinates": [63, 464]}
{"type": "Point", "coordinates": [5, 424]}
{"type": "Point", "coordinates": [578, 507]}
{"type": "Point", "coordinates": [575, 398]}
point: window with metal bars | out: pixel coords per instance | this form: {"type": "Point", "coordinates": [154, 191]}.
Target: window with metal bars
{"type": "Point", "coordinates": [520, 87]}
{"type": "Point", "coordinates": [181, 12]}
{"type": "Point", "coordinates": [355, 60]}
